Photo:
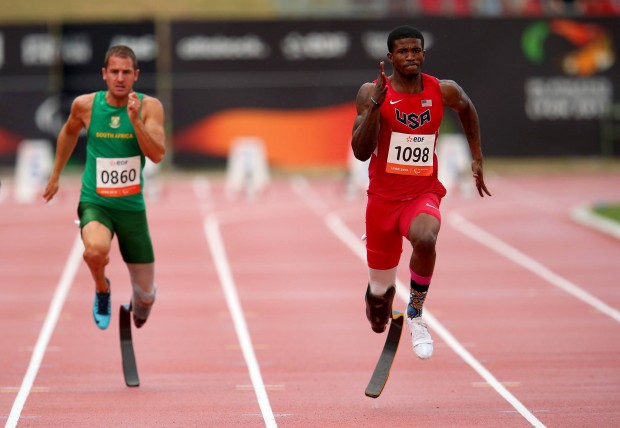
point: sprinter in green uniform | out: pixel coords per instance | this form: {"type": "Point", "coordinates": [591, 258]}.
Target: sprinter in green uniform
{"type": "Point", "coordinates": [123, 128]}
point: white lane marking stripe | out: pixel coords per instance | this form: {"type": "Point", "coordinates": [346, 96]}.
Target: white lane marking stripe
{"type": "Point", "coordinates": [487, 239]}
{"type": "Point", "coordinates": [60, 295]}
{"type": "Point", "coordinates": [214, 239]}
{"type": "Point", "coordinates": [218, 251]}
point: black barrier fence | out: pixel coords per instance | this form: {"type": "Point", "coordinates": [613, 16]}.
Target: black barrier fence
{"type": "Point", "coordinates": [542, 87]}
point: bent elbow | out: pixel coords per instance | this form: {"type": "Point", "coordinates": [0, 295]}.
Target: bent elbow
{"type": "Point", "coordinates": [361, 155]}
{"type": "Point", "coordinates": [157, 157]}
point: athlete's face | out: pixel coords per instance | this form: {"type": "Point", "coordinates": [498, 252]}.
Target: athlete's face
{"type": "Point", "coordinates": [120, 76]}
{"type": "Point", "coordinates": [407, 56]}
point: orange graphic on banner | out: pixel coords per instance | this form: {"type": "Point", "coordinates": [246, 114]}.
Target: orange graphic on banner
{"type": "Point", "coordinates": [396, 168]}
{"type": "Point", "coordinates": [115, 192]}
{"type": "Point", "coordinates": [595, 51]}
{"type": "Point", "coordinates": [310, 137]}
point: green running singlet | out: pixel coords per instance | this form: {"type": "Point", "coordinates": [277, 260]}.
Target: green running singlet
{"type": "Point", "coordinates": [114, 162]}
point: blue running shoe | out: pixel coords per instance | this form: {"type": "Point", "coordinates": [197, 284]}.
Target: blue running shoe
{"type": "Point", "coordinates": [102, 309]}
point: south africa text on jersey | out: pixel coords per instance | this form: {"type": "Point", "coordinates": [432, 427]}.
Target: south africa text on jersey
{"type": "Point", "coordinates": [114, 135]}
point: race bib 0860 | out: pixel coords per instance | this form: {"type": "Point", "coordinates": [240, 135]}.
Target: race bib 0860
{"type": "Point", "coordinates": [118, 176]}
{"type": "Point", "coordinates": [411, 154]}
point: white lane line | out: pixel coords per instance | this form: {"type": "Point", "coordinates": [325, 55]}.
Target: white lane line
{"type": "Point", "coordinates": [60, 295]}
{"type": "Point", "coordinates": [218, 251]}
{"type": "Point", "coordinates": [485, 238]}
{"type": "Point", "coordinates": [353, 242]}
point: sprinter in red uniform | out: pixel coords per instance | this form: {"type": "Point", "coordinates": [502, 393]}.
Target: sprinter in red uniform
{"type": "Point", "coordinates": [397, 126]}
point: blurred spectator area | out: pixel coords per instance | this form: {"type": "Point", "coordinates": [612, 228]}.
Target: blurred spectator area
{"type": "Point", "coordinates": [461, 8]}
{"type": "Point", "coordinates": [478, 8]}
{"type": "Point", "coordinates": [66, 10]}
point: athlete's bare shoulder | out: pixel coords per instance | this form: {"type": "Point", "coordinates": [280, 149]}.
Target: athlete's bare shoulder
{"type": "Point", "coordinates": [83, 104]}
{"type": "Point", "coordinates": [449, 87]}
{"type": "Point", "coordinates": [151, 101]}
{"type": "Point", "coordinates": [363, 97]}
{"type": "Point", "coordinates": [152, 109]}
{"type": "Point", "coordinates": [452, 95]}
{"type": "Point", "coordinates": [364, 90]}
{"type": "Point", "coordinates": [81, 109]}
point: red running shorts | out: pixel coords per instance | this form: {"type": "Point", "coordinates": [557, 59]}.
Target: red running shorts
{"type": "Point", "coordinates": [387, 222]}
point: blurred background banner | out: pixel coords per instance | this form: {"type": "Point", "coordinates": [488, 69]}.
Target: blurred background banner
{"type": "Point", "coordinates": [290, 83]}
{"type": "Point", "coordinates": [83, 50]}
{"type": "Point", "coordinates": [543, 87]}
{"type": "Point", "coordinates": [27, 55]}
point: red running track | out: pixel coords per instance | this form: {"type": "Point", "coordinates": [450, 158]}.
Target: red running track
{"type": "Point", "coordinates": [260, 314]}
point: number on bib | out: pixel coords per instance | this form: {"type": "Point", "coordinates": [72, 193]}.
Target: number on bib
{"type": "Point", "coordinates": [118, 176]}
{"type": "Point", "coordinates": [411, 154]}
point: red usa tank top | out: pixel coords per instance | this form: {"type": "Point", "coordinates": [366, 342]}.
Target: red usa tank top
{"type": "Point", "coordinates": [404, 164]}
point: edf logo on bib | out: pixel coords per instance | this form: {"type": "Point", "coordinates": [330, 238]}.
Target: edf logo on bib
{"type": "Point", "coordinates": [413, 120]}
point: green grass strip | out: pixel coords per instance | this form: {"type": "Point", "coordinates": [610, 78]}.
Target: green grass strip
{"type": "Point", "coordinates": [609, 211]}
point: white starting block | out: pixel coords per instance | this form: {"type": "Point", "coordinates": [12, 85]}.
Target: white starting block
{"type": "Point", "coordinates": [357, 178]}
{"type": "Point", "coordinates": [247, 170]}
{"type": "Point", "coordinates": [152, 183]}
{"type": "Point", "coordinates": [454, 158]}
{"type": "Point", "coordinates": [32, 169]}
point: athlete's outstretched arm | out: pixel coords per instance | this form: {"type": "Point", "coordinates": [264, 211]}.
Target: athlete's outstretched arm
{"type": "Point", "coordinates": [148, 125]}
{"type": "Point", "coordinates": [67, 140]}
{"type": "Point", "coordinates": [367, 121]}
{"type": "Point", "coordinates": [454, 97]}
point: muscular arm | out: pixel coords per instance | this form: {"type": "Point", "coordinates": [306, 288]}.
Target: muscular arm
{"type": "Point", "coordinates": [148, 126]}
{"type": "Point", "coordinates": [366, 124]}
{"type": "Point", "coordinates": [67, 140]}
{"type": "Point", "coordinates": [367, 121]}
{"type": "Point", "coordinates": [455, 98]}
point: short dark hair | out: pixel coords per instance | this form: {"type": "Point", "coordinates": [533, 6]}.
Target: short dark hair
{"type": "Point", "coordinates": [123, 52]}
{"type": "Point", "coordinates": [403, 32]}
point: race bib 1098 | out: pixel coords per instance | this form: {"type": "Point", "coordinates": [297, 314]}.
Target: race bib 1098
{"type": "Point", "coordinates": [411, 154]}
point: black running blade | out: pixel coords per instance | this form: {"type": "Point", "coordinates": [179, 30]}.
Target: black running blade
{"type": "Point", "coordinates": [130, 370]}
{"type": "Point", "coordinates": [382, 370]}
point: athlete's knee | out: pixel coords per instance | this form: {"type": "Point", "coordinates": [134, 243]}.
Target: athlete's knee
{"type": "Point", "coordinates": [423, 233]}
{"type": "Point", "coordinates": [95, 254]}
{"type": "Point", "coordinates": [424, 241]}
